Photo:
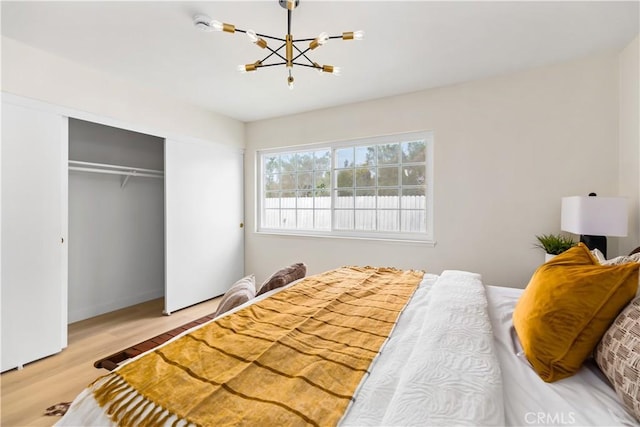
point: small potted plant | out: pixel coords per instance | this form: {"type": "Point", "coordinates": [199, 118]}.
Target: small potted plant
{"type": "Point", "coordinates": [554, 244]}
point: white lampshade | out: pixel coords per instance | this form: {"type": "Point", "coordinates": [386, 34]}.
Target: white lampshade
{"type": "Point", "coordinates": [594, 215]}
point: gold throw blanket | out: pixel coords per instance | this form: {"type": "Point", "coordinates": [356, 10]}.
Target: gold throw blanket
{"type": "Point", "coordinates": [295, 358]}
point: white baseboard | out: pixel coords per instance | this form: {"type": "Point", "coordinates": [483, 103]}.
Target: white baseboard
{"type": "Point", "coordinates": [96, 310]}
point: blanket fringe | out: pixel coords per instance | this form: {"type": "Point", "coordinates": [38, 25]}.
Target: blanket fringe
{"type": "Point", "coordinates": [118, 396]}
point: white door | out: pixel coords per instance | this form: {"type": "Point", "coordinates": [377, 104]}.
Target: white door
{"type": "Point", "coordinates": [33, 254]}
{"type": "Point", "coordinates": [204, 234]}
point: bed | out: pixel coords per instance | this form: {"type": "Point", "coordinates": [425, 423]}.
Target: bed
{"type": "Point", "coordinates": [451, 357]}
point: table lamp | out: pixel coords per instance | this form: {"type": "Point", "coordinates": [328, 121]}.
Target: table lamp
{"type": "Point", "coordinates": [594, 218]}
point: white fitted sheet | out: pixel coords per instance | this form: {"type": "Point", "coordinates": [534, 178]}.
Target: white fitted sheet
{"type": "Point", "coordinates": [583, 399]}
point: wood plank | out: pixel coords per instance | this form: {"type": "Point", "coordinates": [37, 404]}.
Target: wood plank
{"type": "Point", "coordinates": [61, 377]}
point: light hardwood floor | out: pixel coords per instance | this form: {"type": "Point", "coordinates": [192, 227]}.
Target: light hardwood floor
{"type": "Point", "coordinates": [59, 378]}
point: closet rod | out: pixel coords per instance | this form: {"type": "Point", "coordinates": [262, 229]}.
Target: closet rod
{"type": "Point", "coordinates": [91, 167]}
{"type": "Point", "coordinates": [131, 172]}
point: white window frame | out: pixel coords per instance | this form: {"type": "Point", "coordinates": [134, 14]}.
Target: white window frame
{"type": "Point", "coordinates": [426, 237]}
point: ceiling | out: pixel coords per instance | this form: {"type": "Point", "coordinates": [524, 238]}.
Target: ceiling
{"type": "Point", "coordinates": [408, 45]}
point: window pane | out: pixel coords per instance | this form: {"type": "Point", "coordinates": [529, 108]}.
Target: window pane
{"type": "Point", "coordinates": [323, 180]}
{"type": "Point", "coordinates": [271, 218]}
{"type": "Point", "coordinates": [414, 198]}
{"type": "Point", "coordinates": [323, 219]}
{"type": "Point", "coordinates": [388, 154]}
{"type": "Point", "coordinates": [344, 199]}
{"type": "Point", "coordinates": [344, 178]}
{"type": "Point", "coordinates": [413, 152]}
{"type": "Point", "coordinates": [365, 156]}
{"type": "Point", "coordinates": [305, 161]}
{"type": "Point", "coordinates": [288, 181]}
{"type": "Point", "coordinates": [413, 175]}
{"type": "Point", "coordinates": [388, 220]}
{"type": "Point", "coordinates": [305, 181]}
{"type": "Point", "coordinates": [322, 160]}
{"type": "Point", "coordinates": [366, 199]}
{"type": "Point", "coordinates": [271, 164]}
{"type": "Point", "coordinates": [272, 182]}
{"type": "Point", "coordinates": [344, 158]}
{"type": "Point", "coordinates": [288, 200]}
{"type": "Point", "coordinates": [288, 218]}
{"type": "Point", "coordinates": [388, 177]}
{"type": "Point", "coordinates": [272, 199]}
{"type": "Point", "coordinates": [305, 219]}
{"type": "Point", "coordinates": [322, 199]}
{"type": "Point", "coordinates": [388, 199]}
{"type": "Point", "coordinates": [365, 220]}
{"type": "Point", "coordinates": [288, 162]}
{"type": "Point", "coordinates": [414, 221]}
{"type": "Point", "coordinates": [343, 219]}
{"type": "Point", "coordinates": [365, 177]}
{"type": "Point", "coordinates": [305, 200]}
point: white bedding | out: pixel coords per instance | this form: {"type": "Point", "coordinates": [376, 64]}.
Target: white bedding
{"type": "Point", "coordinates": [419, 380]}
{"type": "Point", "coordinates": [585, 399]}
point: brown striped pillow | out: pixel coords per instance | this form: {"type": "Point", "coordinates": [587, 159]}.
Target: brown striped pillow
{"type": "Point", "coordinates": [283, 277]}
{"type": "Point", "coordinates": [239, 293]}
{"type": "Point", "coordinates": [618, 356]}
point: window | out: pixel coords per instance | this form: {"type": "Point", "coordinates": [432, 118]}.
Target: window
{"type": "Point", "coordinates": [374, 188]}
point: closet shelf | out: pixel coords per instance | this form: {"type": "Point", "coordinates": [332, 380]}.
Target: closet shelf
{"type": "Point", "coordinates": [126, 171]}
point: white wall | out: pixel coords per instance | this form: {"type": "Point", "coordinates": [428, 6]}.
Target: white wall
{"type": "Point", "coordinates": [506, 150]}
{"type": "Point", "coordinates": [629, 125]}
{"type": "Point", "coordinates": [116, 234]}
{"type": "Point", "coordinates": [37, 74]}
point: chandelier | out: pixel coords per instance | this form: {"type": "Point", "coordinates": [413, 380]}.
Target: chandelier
{"type": "Point", "coordinates": [295, 50]}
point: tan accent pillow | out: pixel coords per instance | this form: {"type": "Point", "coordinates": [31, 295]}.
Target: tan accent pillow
{"type": "Point", "coordinates": [624, 260]}
{"type": "Point", "coordinates": [566, 308]}
{"type": "Point", "coordinates": [618, 355]}
{"type": "Point", "coordinates": [283, 277]}
{"type": "Point", "coordinates": [239, 293]}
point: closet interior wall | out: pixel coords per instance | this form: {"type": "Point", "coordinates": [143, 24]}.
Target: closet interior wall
{"type": "Point", "coordinates": [116, 223]}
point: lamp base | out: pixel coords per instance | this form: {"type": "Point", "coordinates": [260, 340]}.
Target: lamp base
{"type": "Point", "coordinates": [595, 242]}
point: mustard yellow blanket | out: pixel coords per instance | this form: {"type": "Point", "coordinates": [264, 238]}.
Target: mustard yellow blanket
{"type": "Point", "coordinates": [295, 358]}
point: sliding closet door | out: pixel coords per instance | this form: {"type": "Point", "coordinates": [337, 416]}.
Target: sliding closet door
{"type": "Point", "coordinates": [204, 243]}
{"type": "Point", "coordinates": [34, 306]}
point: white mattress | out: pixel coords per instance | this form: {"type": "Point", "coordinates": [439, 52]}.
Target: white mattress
{"type": "Point", "coordinates": [583, 399]}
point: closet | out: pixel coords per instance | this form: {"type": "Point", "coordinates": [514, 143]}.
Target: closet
{"type": "Point", "coordinates": [98, 215]}
{"type": "Point", "coordinates": [116, 218]}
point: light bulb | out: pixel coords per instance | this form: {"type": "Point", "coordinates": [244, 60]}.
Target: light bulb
{"type": "Point", "coordinates": [290, 82]}
{"type": "Point", "coordinates": [322, 38]}
{"type": "Point", "coordinates": [331, 69]}
{"type": "Point", "coordinates": [216, 25]}
{"type": "Point", "coordinates": [249, 67]}
{"type": "Point", "coordinates": [252, 36]}
{"type": "Point", "coordinates": [358, 35]}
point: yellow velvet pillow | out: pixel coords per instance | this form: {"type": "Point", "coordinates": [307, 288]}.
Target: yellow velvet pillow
{"type": "Point", "coordinates": [567, 307]}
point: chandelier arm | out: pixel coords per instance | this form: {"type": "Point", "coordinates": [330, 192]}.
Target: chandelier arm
{"type": "Point", "coordinates": [273, 65]}
{"type": "Point", "coordinates": [238, 30]}
{"type": "Point", "coordinates": [303, 54]}
{"type": "Point", "coordinates": [304, 65]}
{"type": "Point", "coordinates": [313, 38]}
{"type": "Point", "coordinates": [270, 37]}
{"type": "Point", "coordinates": [275, 52]}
